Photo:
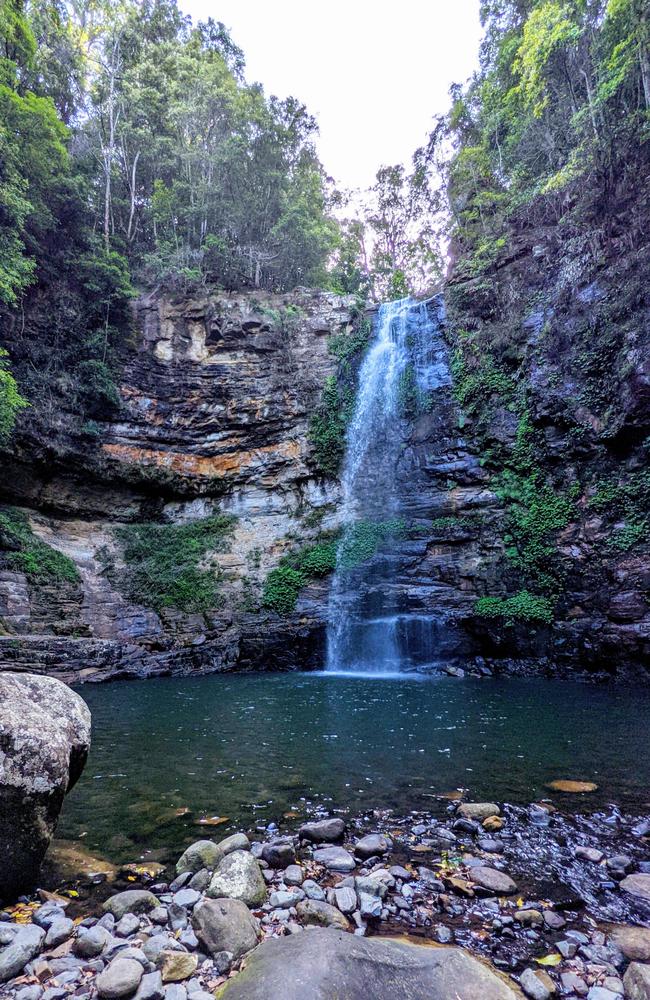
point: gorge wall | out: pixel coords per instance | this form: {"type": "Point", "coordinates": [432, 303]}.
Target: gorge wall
{"type": "Point", "coordinates": [214, 463]}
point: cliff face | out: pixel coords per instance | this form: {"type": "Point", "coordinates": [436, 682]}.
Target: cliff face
{"type": "Point", "coordinates": [211, 461]}
{"type": "Point", "coordinates": [216, 403]}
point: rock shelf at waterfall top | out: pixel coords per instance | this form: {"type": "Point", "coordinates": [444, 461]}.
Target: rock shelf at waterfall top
{"type": "Point", "coordinates": [551, 903]}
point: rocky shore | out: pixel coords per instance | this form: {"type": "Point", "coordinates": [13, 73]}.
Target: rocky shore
{"type": "Point", "coordinates": [519, 902]}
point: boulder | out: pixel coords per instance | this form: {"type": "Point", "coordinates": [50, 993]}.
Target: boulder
{"type": "Point", "coordinates": [225, 925]}
{"type": "Point", "coordinates": [373, 845]}
{"type": "Point", "coordinates": [323, 964]}
{"type": "Point", "coordinates": [638, 885]}
{"type": "Point", "coordinates": [637, 981]}
{"type": "Point", "coordinates": [279, 853]}
{"type": "Point", "coordinates": [119, 979]}
{"type": "Point", "coordinates": [207, 854]}
{"type": "Point", "coordinates": [239, 876]}
{"type": "Point", "coordinates": [322, 830]}
{"type": "Point", "coordinates": [44, 743]}
{"type": "Point", "coordinates": [634, 942]}
{"type": "Point", "coordinates": [175, 966]}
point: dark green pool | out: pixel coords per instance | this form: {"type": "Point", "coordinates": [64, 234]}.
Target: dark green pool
{"type": "Point", "coordinates": [254, 747]}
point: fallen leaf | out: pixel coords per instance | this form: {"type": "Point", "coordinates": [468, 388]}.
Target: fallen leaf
{"type": "Point", "coordinates": [549, 960]}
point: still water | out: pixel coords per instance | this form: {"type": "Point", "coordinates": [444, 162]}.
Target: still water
{"type": "Point", "coordinates": [253, 747]}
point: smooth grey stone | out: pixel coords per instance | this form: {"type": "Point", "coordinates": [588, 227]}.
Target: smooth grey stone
{"type": "Point", "coordinates": [159, 915]}
{"type": "Point", "coordinates": [26, 944]}
{"type": "Point", "coordinates": [59, 931]}
{"type": "Point", "coordinates": [293, 875]}
{"type": "Point", "coordinates": [187, 898]}
{"type": "Point", "coordinates": [178, 916]}
{"type": "Point", "coordinates": [398, 872]}
{"type": "Point", "coordinates": [345, 898]}
{"type": "Point", "coordinates": [151, 987]}
{"type": "Point", "coordinates": [533, 987]}
{"type": "Point", "coordinates": [369, 906]}
{"type": "Point", "coordinates": [312, 890]}
{"type": "Point", "coordinates": [46, 914]}
{"type": "Point", "coordinates": [201, 880]}
{"type": "Point", "coordinates": [131, 901]}
{"type": "Point", "coordinates": [312, 911]}
{"type": "Point", "coordinates": [175, 991]}
{"type": "Point", "coordinates": [279, 853]}
{"type": "Point", "coordinates": [336, 859]}
{"type": "Point", "coordinates": [222, 961]}
{"type": "Point", "coordinates": [188, 939]}
{"type": "Point", "coordinates": [128, 925]}
{"type": "Point", "coordinates": [225, 925]}
{"type": "Point", "coordinates": [322, 830]}
{"type": "Point", "coordinates": [56, 993]}
{"type": "Point", "coordinates": [284, 900]}
{"type": "Point", "coordinates": [29, 993]}
{"type": "Point", "coordinates": [7, 933]}
{"type": "Point", "coordinates": [160, 942]}
{"type": "Point", "coordinates": [180, 881]}
{"type": "Point", "coordinates": [120, 978]}
{"type": "Point", "coordinates": [107, 921]}
{"type": "Point", "coordinates": [373, 845]}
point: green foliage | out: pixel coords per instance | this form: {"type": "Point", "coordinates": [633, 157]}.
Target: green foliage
{"type": "Point", "coordinates": [520, 607]}
{"type": "Point", "coordinates": [22, 551]}
{"type": "Point", "coordinates": [412, 401]}
{"type": "Point", "coordinates": [349, 345]}
{"type": "Point", "coordinates": [328, 426]}
{"type": "Point", "coordinates": [477, 380]}
{"type": "Point", "coordinates": [361, 540]}
{"type": "Point", "coordinates": [629, 501]}
{"type": "Point", "coordinates": [163, 563]}
{"type": "Point", "coordinates": [284, 583]}
{"type": "Point", "coordinates": [11, 401]}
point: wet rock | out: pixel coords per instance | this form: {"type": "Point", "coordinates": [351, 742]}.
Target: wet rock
{"type": "Point", "coordinates": [26, 943]}
{"type": "Point", "coordinates": [120, 978]}
{"type": "Point", "coordinates": [319, 914]}
{"type": "Point", "coordinates": [322, 830]}
{"type": "Point", "coordinates": [572, 983]}
{"type": "Point", "coordinates": [638, 885]}
{"type": "Point", "coordinates": [572, 787]}
{"type": "Point", "coordinates": [130, 901]}
{"type": "Point", "coordinates": [634, 942]}
{"type": "Point", "coordinates": [637, 981]}
{"type": "Point", "coordinates": [554, 921]}
{"type": "Point", "coordinates": [374, 845]}
{"type": "Point", "coordinates": [175, 966]}
{"type": "Point", "coordinates": [335, 858]}
{"type": "Point", "coordinates": [225, 925]}
{"type": "Point", "coordinates": [45, 736]}
{"type": "Point", "coordinates": [279, 853]}
{"type": "Point", "coordinates": [330, 963]}
{"type": "Point", "coordinates": [529, 918]}
{"type": "Point", "coordinates": [478, 810]}
{"type": "Point", "coordinates": [496, 881]}
{"type": "Point", "coordinates": [493, 824]}
{"type": "Point", "coordinates": [239, 876]}
{"type": "Point", "coordinates": [491, 846]}
{"type": "Point", "coordinates": [537, 985]}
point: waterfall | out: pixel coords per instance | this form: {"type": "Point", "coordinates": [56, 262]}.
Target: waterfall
{"type": "Point", "coordinates": [406, 361]}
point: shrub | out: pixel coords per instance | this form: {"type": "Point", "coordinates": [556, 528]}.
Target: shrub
{"type": "Point", "coordinates": [163, 563]}
{"type": "Point", "coordinates": [21, 550]}
{"type": "Point", "coordinates": [11, 402]}
{"type": "Point", "coordinates": [521, 607]}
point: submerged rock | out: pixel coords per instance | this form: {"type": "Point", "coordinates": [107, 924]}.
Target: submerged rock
{"type": "Point", "coordinates": [44, 741]}
{"type": "Point", "coordinates": [324, 964]}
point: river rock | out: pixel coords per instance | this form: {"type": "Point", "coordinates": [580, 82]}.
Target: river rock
{"type": "Point", "coordinates": [131, 901]}
{"type": "Point", "coordinates": [225, 925]}
{"type": "Point", "coordinates": [637, 981]}
{"type": "Point", "coordinates": [25, 944]}
{"type": "Point", "coordinates": [239, 876]}
{"type": "Point", "coordinates": [496, 881]}
{"type": "Point", "coordinates": [59, 931]}
{"type": "Point", "coordinates": [200, 854]}
{"type": "Point", "coordinates": [91, 942]}
{"type": "Point", "coordinates": [634, 942]}
{"type": "Point", "coordinates": [314, 912]}
{"type": "Point", "coordinates": [119, 979]}
{"type": "Point", "coordinates": [151, 987]}
{"type": "Point", "coordinates": [537, 984]}
{"type": "Point", "coordinates": [326, 963]}
{"type": "Point", "coordinates": [373, 845]}
{"type": "Point", "coordinates": [638, 885]}
{"type": "Point", "coordinates": [293, 875]}
{"type": "Point", "coordinates": [335, 858]}
{"type": "Point", "coordinates": [44, 740]}
{"type": "Point", "coordinates": [322, 830]}
{"type": "Point", "coordinates": [346, 899]}
{"type": "Point", "coordinates": [175, 966]}
{"type": "Point", "coordinates": [478, 810]}
{"type": "Point", "coordinates": [279, 853]}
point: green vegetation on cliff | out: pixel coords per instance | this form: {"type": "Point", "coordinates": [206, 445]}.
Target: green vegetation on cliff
{"type": "Point", "coordinates": [168, 565]}
{"type": "Point", "coordinates": [21, 550]}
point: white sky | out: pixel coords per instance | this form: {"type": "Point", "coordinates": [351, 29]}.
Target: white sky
{"type": "Point", "coordinates": [373, 74]}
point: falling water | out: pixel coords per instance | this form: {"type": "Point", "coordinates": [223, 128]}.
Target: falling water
{"type": "Point", "coordinates": [366, 631]}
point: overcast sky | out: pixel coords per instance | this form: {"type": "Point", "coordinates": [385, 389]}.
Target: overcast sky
{"type": "Point", "coordinates": [373, 74]}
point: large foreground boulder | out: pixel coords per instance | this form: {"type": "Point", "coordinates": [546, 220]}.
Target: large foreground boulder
{"type": "Point", "coordinates": [323, 964]}
{"type": "Point", "coordinates": [44, 742]}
